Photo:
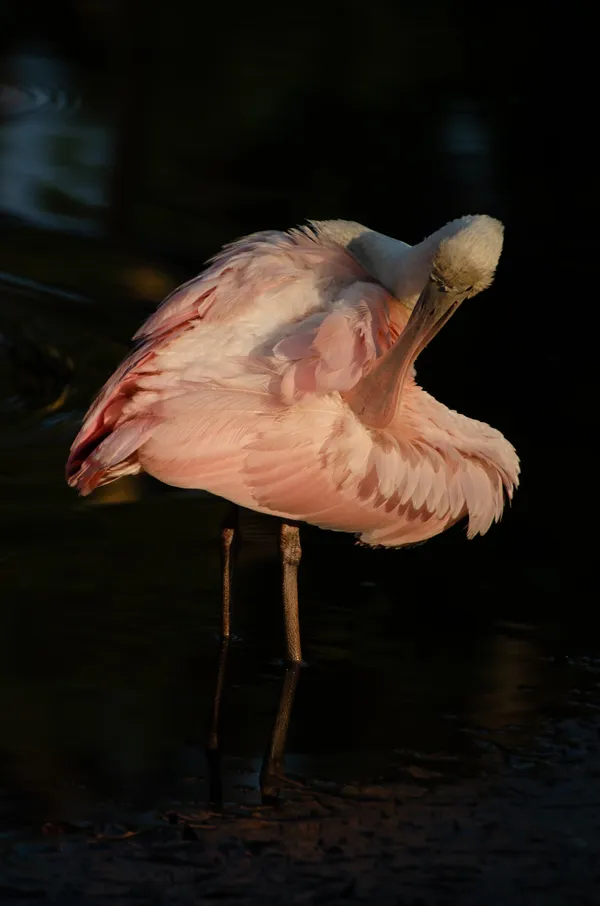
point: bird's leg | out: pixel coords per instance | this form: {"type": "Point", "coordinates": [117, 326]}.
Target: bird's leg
{"type": "Point", "coordinates": [271, 775]}
{"type": "Point", "coordinates": [213, 751]}
{"type": "Point", "coordinates": [229, 547]}
{"type": "Point", "coordinates": [289, 543]}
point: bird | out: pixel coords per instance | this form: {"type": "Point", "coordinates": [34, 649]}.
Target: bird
{"type": "Point", "coordinates": [282, 378]}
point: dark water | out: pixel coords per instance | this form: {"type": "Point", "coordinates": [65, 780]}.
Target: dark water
{"type": "Point", "coordinates": [130, 149]}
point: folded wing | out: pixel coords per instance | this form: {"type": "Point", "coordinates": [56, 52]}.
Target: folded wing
{"type": "Point", "coordinates": [238, 280]}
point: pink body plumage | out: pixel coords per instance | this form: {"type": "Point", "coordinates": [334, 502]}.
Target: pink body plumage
{"type": "Point", "coordinates": [237, 387]}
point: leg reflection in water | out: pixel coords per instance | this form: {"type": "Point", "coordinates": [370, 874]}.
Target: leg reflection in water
{"type": "Point", "coordinates": [213, 751]}
{"type": "Point", "coordinates": [272, 776]}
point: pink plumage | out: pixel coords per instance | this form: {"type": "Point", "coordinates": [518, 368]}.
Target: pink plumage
{"type": "Point", "coordinates": [242, 384]}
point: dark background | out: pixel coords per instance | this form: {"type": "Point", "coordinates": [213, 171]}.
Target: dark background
{"type": "Point", "coordinates": [156, 133]}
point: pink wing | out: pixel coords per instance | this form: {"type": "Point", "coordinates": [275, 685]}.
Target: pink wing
{"type": "Point", "coordinates": [255, 263]}
{"type": "Point", "coordinates": [242, 272]}
{"type": "Point", "coordinates": [333, 351]}
{"type": "Point", "coordinates": [317, 463]}
{"type": "Point", "coordinates": [391, 488]}
{"type": "Point", "coordinates": [314, 461]}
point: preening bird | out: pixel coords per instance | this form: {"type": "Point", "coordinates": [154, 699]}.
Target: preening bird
{"type": "Point", "coordinates": [282, 379]}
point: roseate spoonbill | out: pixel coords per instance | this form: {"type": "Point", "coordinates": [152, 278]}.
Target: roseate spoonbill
{"type": "Point", "coordinates": [282, 379]}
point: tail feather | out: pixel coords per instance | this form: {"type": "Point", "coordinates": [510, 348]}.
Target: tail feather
{"type": "Point", "coordinates": [107, 458]}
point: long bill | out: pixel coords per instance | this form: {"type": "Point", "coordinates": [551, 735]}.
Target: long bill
{"type": "Point", "coordinates": [376, 396]}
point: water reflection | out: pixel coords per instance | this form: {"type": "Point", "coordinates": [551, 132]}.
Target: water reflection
{"type": "Point", "coordinates": [55, 157]}
{"type": "Point", "coordinates": [509, 680]}
{"type": "Point", "coordinates": [272, 775]}
{"type": "Point", "coordinates": [39, 375]}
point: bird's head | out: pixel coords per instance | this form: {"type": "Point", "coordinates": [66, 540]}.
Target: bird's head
{"type": "Point", "coordinates": [465, 253]}
{"type": "Point", "coordinates": [463, 259]}
{"type": "Point", "coordinates": [431, 279]}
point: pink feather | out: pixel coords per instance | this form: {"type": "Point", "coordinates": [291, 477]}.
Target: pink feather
{"type": "Point", "coordinates": [236, 386]}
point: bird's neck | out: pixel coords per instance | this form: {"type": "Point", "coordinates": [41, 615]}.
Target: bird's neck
{"type": "Point", "coordinates": [376, 397]}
